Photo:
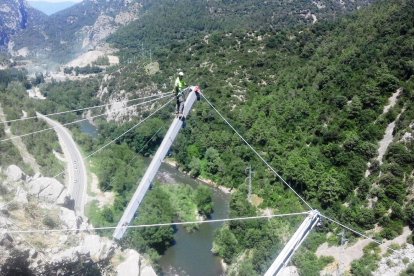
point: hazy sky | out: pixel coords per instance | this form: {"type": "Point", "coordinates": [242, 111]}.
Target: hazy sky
{"type": "Point", "coordinates": [56, 1]}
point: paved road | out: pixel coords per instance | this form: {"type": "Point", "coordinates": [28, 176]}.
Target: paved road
{"type": "Point", "coordinates": [76, 169]}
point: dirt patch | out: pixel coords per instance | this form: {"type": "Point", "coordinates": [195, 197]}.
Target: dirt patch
{"type": "Point", "coordinates": [152, 68]}
{"type": "Point", "coordinates": [394, 264]}
{"type": "Point", "coordinates": [103, 198]}
{"type": "Point", "coordinates": [392, 101]}
{"type": "Point", "coordinates": [387, 139]}
{"type": "Point", "coordinates": [21, 147]}
{"type": "Point", "coordinates": [345, 255]}
{"type": "Point", "coordinates": [256, 200]}
{"type": "Point", "coordinates": [400, 240]}
{"type": "Point", "coordinates": [91, 56]}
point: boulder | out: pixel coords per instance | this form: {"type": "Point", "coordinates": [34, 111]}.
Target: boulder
{"type": "Point", "coordinates": [46, 189]}
{"type": "Point", "coordinates": [92, 246]}
{"type": "Point", "coordinates": [64, 198]}
{"type": "Point", "coordinates": [14, 173]}
{"type": "Point", "coordinates": [33, 253]}
{"type": "Point", "coordinates": [134, 264]}
{"type": "Point", "coordinates": [407, 137]}
{"type": "Point", "coordinates": [21, 197]}
{"type": "Point", "coordinates": [69, 218]}
{"type": "Point", "coordinates": [99, 248]}
{"type": "Point", "coordinates": [70, 255]}
{"type": "Point", "coordinates": [6, 240]}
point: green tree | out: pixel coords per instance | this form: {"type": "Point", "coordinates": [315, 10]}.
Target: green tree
{"type": "Point", "coordinates": [225, 244]}
{"type": "Point", "coordinates": [214, 162]}
{"type": "Point", "coordinates": [330, 188]}
{"type": "Point", "coordinates": [204, 201]}
{"type": "Point", "coordinates": [195, 167]}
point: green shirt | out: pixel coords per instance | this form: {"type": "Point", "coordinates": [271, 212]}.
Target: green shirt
{"type": "Point", "coordinates": [178, 85]}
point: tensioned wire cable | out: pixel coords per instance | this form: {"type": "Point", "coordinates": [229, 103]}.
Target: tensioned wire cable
{"type": "Point", "coordinates": [81, 120]}
{"type": "Point", "coordinates": [209, 221]}
{"type": "Point", "coordinates": [124, 133]}
{"type": "Point", "coordinates": [85, 108]}
{"type": "Point", "coordinates": [135, 157]}
{"type": "Point", "coordinates": [282, 179]}
{"type": "Point", "coordinates": [258, 154]}
{"type": "Point", "coordinates": [157, 224]}
{"type": "Point", "coordinates": [358, 233]}
{"type": "Point", "coordinates": [132, 128]}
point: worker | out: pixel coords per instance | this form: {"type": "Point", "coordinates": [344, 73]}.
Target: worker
{"type": "Point", "coordinates": [179, 85]}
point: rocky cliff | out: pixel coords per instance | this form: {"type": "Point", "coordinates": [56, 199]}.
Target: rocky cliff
{"type": "Point", "coordinates": [35, 202]}
{"type": "Point", "coordinates": [25, 31]}
{"type": "Point", "coordinates": [16, 16]}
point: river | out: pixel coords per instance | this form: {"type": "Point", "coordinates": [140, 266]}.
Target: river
{"type": "Point", "coordinates": [191, 253]}
{"type": "Point", "coordinates": [87, 128]}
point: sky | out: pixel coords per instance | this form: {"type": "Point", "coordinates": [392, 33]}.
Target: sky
{"type": "Point", "coordinates": [56, 1]}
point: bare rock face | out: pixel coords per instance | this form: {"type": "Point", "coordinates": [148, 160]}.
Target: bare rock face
{"type": "Point", "coordinates": [13, 16]}
{"type": "Point", "coordinates": [134, 264]}
{"type": "Point", "coordinates": [16, 16]}
{"type": "Point", "coordinates": [14, 173]}
{"type": "Point", "coordinates": [21, 197]}
{"type": "Point", "coordinates": [48, 189]}
{"type": "Point", "coordinates": [6, 240]}
{"type": "Point", "coordinates": [92, 248]}
{"type": "Point", "coordinates": [103, 27]}
{"type": "Point", "coordinates": [64, 254]}
{"type": "Point", "coordinates": [69, 218]}
{"type": "Point", "coordinates": [75, 252]}
{"type": "Point", "coordinates": [99, 248]}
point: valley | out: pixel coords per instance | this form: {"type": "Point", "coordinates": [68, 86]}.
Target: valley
{"type": "Point", "coordinates": [316, 97]}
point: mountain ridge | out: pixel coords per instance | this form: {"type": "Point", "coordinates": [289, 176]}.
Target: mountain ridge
{"type": "Point", "coordinates": [87, 24]}
{"type": "Point", "coordinates": [49, 8]}
{"type": "Point", "coordinates": [15, 16]}
{"type": "Point", "coordinates": [62, 35]}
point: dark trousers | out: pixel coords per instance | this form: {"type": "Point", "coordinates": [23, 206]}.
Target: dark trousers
{"type": "Point", "coordinates": [180, 104]}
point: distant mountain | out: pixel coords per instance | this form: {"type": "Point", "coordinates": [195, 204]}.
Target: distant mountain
{"type": "Point", "coordinates": [167, 22]}
{"type": "Point", "coordinates": [16, 16]}
{"type": "Point", "coordinates": [64, 34]}
{"type": "Point", "coordinates": [86, 25]}
{"type": "Point", "coordinates": [50, 7]}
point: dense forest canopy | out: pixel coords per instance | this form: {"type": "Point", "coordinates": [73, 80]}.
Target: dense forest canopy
{"type": "Point", "coordinates": [310, 99]}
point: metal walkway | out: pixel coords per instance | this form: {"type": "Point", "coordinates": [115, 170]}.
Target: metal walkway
{"type": "Point", "coordinates": [293, 244]}
{"type": "Point", "coordinates": [192, 94]}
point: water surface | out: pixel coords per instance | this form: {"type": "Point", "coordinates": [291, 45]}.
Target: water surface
{"type": "Point", "coordinates": [191, 255]}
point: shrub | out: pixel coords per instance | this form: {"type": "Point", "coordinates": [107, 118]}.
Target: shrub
{"type": "Point", "coordinates": [409, 271]}
{"type": "Point", "coordinates": [50, 221]}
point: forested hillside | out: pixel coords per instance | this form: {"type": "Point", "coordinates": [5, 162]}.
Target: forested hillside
{"type": "Point", "coordinates": [309, 97]}
{"type": "Point", "coordinates": [85, 25]}
{"type": "Point", "coordinates": [311, 101]}
{"type": "Point", "coordinates": [165, 24]}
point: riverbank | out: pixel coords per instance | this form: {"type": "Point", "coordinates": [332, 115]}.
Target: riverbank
{"type": "Point", "coordinates": [172, 163]}
{"type": "Point", "coordinates": [191, 252]}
